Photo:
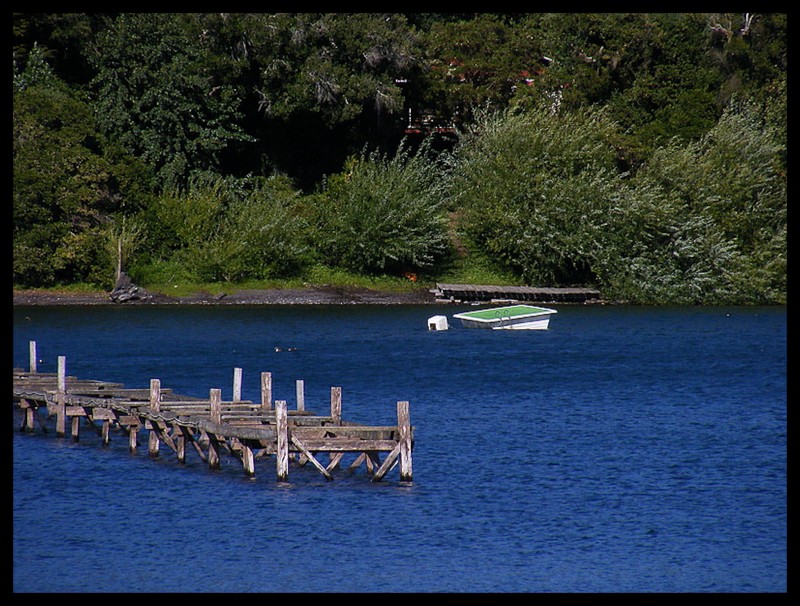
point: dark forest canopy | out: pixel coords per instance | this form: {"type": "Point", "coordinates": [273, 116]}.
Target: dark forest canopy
{"type": "Point", "coordinates": [643, 153]}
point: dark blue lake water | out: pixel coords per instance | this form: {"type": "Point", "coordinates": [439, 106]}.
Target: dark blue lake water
{"type": "Point", "coordinates": [625, 449]}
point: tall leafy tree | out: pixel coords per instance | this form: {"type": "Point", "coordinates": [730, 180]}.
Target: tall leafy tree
{"type": "Point", "coordinates": [63, 39]}
{"type": "Point", "coordinates": [68, 182]}
{"type": "Point", "coordinates": [324, 85]}
{"type": "Point", "coordinates": [155, 95]}
{"type": "Point", "coordinates": [337, 65]}
{"type": "Point", "coordinates": [475, 62]}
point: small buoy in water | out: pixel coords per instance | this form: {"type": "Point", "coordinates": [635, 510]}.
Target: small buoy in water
{"type": "Point", "coordinates": [437, 323]}
{"type": "Point", "coordinates": [279, 349]}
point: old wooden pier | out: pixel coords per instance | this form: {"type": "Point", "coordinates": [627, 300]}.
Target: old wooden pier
{"type": "Point", "coordinates": [212, 427]}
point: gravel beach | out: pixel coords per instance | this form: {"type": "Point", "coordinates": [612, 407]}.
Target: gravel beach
{"type": "Point", "coordinates": [303, 296]}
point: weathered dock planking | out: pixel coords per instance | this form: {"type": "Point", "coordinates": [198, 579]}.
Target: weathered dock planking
{"type": "Point", "coordinates": [488, 293]}
{"type": "Point", "coordinates": [212, 427]}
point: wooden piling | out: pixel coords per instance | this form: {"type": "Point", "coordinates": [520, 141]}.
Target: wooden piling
{"type": "Point", "coordinates": [32, 356]}
{"type": "Point", "coordinates": [62, 374]}
{"type": "Point", "coordinates": [105, 434]}
{"type": "Point", "coordinates": [237, 384]}
{"type": "Point", "coordinates": [61, 413]}
{"type": "Point", "coordinates": [185, 435]}
{"type": "Point", "coordinates": [155, 408]}
{"type": "Point", "coordinates": [248, 461]}
{"type": "Point", "coordinates": [336, 405]}
{"type": "Point", "coordinates": [215, 397]}
{"type": "Point", "coordinates": [402, 450]}
{"type": "Point", "coordinates": [180, 444]}
{"type": "Point", "coordinates": [132, 434]}
{"type": "Point", "coordinates": [28, 415]}
{"type": "Point", "coordinates": [213, 452]}
{"type": "Point", "coordinates": [215, 401]}
{"type": "Point", "coordinates": [281, 429]}
{"type": "Point", "coordinates": [300, 394]}
{"type": "Point", "coordinates": [76, 427]}
{"type": "Point", "coordinates": [266, 391]}
{"type": "Point", "coordinates": [404, 423]}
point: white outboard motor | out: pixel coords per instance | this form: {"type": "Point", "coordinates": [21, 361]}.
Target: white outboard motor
{"type": "Point", "coordinates": [437, 323]}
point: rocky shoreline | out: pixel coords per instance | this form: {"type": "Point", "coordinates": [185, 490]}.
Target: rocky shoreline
{"type": "Point", "coordinates": [302, 296]}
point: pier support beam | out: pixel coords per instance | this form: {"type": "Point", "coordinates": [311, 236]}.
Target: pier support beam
{"type": "Point", "coordinates": [404, 423]}
{"type": "Point", "coordinates": [300, 394]}
{"type": "Point", "coordinates": [402, 450]}
{"type": "Point", "coordinates": [32, 355]}
{"type": "Point", "coordinates": [132, 432]}
{"type": "Point", "coordinates": [28, 417]}
{"type": "Point", "coordinates": [237, 384]}
{"type": "Point", "coordinates": [155, 408]}
{"type": "Point", "coordinates": [215, 411]}
{"type": "Point", "coordinates": [336, 405]}
{"type": "Point", "coordinates": [61, 394]}
{"type": "Point", "coordinates": [213, 451]}
{"type": "Point", "coordinates": [248, 461]}
{"type": "Point", "coordinates": [180, 445]}
{"type": "Point", "coordinates": [282, 429]}
{"type": "Point", "coordinates": [215, 398]}
{"type": "Point", "coordinates": [266, 391]}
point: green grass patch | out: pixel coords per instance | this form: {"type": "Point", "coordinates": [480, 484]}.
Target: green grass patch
{"type": "Point", "coordinates": [473, 266]}
{"type": "Point", "coordinates": [169, 279]}
{"type": "Point", "coordinates": [80, 288]}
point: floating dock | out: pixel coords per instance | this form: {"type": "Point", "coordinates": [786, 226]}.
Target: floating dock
{"type": "Point", "coordinates": [468, 293]}
{"type": "Point", "coordinates": [213, 428]}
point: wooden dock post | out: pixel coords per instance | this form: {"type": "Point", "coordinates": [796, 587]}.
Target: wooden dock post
{"type": "Point", "coordinates": [215, 397]}
{"type": "Point", "coordinates": [237, 384]}
{"type": "Point", "coordinates": [336, 405]}
{"type": "Point", "coordinates": [155, 407]}
{"type": "Point", "coordinates": [402, 450]}
{"type": "Point", "coordinates": [184, 436]}
{"type": "Point", "coordinates": [248, 461]}
{"type": "Point", "coordinates": [179, 438]}
{"type": "Point", "coordinates": [133, 430]}
{"type": "Point", "coordinates": [61, 412]}
{"type": "Point", "coordinates": [282, 429]}
{"type": "Point", "coordinates": [404, 423]}
{"type": "Point", "coordinates": [76, 428]}
{"type": "Point", "coordinates": [32, 355]}
{"type": "Point", "coordinates": [266, 391]}
{"type": "Point", "coordinates": [301, 395]}
{"type": "Point", "coordinates": [105, 433]}
{"type": "Point", "coordinates": [28, 417]}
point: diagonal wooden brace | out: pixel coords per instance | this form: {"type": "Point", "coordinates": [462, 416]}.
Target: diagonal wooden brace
{"type": "Point", "coordinates": [311, 458]}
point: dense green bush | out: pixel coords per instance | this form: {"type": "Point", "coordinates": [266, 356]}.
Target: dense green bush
{"type": "Point", "coordinates": [233, 230]}
{"type": "Point", "coordinates": [716, 212]}
{"type": "Point", "coordinates": [701, 223]}
{"type": "Point", "coordinates": [384, 214]}
{"type": "Point", "coordinates": [533, 185]}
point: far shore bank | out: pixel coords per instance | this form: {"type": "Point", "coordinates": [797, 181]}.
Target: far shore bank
{"type": "Point", "coordinates": [300, 296]}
